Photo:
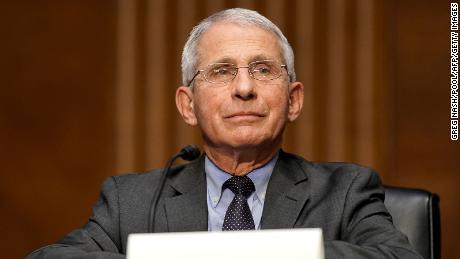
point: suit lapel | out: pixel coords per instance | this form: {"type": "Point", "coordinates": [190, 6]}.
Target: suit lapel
{"type": "Point", "coordinates": [286, 194]}
{"type": "Point", "coordinates": [188, 211]}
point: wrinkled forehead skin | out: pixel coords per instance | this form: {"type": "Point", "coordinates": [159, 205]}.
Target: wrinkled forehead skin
{"type": "Point", "coordinates": [211, 33]}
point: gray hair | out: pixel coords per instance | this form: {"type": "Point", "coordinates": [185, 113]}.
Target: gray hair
{"type": "Point", "coordinates": [190, 55]}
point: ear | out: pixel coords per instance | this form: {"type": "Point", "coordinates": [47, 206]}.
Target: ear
{"type": "Point", "coordinates": [296, 95]}
{"type": "Point", "coordinates": [184, 103]}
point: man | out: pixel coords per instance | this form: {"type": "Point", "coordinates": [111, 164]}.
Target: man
{"type": "Point", "coordinates": [240, 89]}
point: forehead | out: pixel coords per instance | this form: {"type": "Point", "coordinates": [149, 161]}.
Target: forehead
{"type": "Point", "coordinates": [237, 43]}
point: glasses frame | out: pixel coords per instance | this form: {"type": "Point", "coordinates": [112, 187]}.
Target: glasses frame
{"type": "Point", "coordinates": [237, 69]}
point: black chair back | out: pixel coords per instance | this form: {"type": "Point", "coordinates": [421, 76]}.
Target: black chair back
{"type": "Point", "coordinates": [415, 212]}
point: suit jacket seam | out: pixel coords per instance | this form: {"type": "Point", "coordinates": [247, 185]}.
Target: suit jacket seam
{"type": "Point", "coordinates": [120, 248]}
{"type": "Point", "coordinates": [345, 229]}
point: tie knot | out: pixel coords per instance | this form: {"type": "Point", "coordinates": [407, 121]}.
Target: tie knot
{"type": "Point", "coordinates": [240, 185]}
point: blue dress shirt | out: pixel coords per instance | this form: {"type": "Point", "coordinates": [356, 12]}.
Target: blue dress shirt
{"type": "Point", "coordinates": [218, 200]}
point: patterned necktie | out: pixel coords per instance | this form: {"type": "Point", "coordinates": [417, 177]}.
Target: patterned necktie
{"type": "Point", "coordinates": [238, 215]}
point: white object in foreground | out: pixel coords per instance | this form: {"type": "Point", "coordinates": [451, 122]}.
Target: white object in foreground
{"type": "Point", "coordinates": [266, 244]}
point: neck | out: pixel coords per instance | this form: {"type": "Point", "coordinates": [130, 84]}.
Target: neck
{"type": "Point", "coordinates": [240, 162]}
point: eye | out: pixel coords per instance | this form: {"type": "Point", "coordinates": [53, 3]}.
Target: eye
{"type": "Point", "coordinates": [221, 71]}
{"type": "Point", "coordinates": [262, 69]}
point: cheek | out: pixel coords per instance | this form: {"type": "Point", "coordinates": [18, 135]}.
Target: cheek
{"type": "Point", "coordinates": [207, 108]}
{"type": "Point", "coordinates": [279, 104]}
{"type": "Point", "coordinates": [279, 118]}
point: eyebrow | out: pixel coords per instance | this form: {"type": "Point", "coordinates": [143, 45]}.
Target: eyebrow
{"type": "Point", "coordinates": [257, 57]}
{"type": "Point", "coordinates": [225, 60]}
{"type": "Point", "coordinates": [260, 57]}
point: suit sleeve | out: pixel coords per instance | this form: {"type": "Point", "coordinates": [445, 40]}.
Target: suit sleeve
{"type": "Point", "coordinates": [98, 239]}
{"type": "Point", "coordinates": [367, 230]}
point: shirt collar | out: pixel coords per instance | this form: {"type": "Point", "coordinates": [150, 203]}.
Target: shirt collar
{"type": "Point", "coordinates": [215, 178]}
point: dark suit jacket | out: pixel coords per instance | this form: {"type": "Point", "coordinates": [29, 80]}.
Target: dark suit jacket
{"type": "Point", "coordinates": [345, 200]}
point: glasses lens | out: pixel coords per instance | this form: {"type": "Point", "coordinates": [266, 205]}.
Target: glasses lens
{"type": "Point", "coordinates": [220, 72]}
{"type": "Point", "coordinates": [265, 70]}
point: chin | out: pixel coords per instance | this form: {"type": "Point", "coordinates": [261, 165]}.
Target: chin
{"type": "Point", "coordinates": [249, 143]}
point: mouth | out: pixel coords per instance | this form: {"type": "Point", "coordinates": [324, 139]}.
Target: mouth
{"type": "Point", "coordinates": [244, 116]}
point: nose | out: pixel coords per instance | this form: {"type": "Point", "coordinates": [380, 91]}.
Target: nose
{"type": "Point", "coordinates": [243, 85]}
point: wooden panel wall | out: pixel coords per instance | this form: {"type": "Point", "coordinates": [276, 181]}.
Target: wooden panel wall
{"type": "Point", "coordinates": [57, 94]}
{"type": "Point", "coordinates": [87, 91]}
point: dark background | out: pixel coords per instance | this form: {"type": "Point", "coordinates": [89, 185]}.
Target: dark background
{"type": "Point", "coordinates": [87, 91]}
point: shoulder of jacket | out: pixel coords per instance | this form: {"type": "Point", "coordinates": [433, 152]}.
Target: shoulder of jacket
{"type": "Point", "coordinates": [335, 168]}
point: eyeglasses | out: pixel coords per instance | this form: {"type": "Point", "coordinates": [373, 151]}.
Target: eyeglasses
{"type": "Point", "coordinates": [221, 73]}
